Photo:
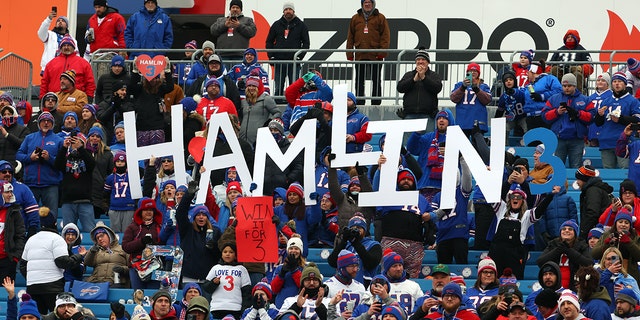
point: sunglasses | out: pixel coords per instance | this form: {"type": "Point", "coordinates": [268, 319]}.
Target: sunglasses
{"type": "Point", "coordinates": [6, 171]}
{"type": "Point", "coordinates": [166, 160]}
{"type": "Point", "coordinates": [51, 99]}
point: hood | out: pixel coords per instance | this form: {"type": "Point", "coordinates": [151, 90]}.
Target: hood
{"type": "Point", "coordinates": [226, 175]}
{"type": "Point", "coordinates": [253, 51]}
{"type": "Point", "coordinates": [198, 209]}
{"type": "Point", "coordinates": [557, 271]}
{"type": "Point", "coordinates": [381, 141]}
{"type": "Point", "coordinates": [137, 216]}
{"type": "Point", "coordinates": [112, 235]}
{"type": "Point", "coordinates": [72, 226]}
{"type": "Point", "coordinates": [14, 112]}
{"type": "Point", "coordinates": [280, 192]}
{"type": "Point", "coordinates": [190, 285]}
{"type": "Point", "coordinates": [447, 114]}
{"type": "Point", "coordinates": [48, 94]}
{"type": "Point", "coordinates": [574, 33]}
{"type": "Point", "coordinates": [323, 153]}
{"type": "Point", "coordinates": [408, 171]}
{"type": "Point", "coordinates": [601, 294]}
{"type": "Point", "coordinates": [597, 182]}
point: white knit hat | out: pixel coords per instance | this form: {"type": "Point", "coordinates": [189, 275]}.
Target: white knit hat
{"type": "Point", "coordinates": [567, 295]}
{"type": "Point", "coordinates": [487, 263]}
{"type": "Point", "coordinates": [288, 4]}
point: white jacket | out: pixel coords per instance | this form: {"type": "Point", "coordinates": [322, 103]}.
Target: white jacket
{"type": "Point", "coordinates": [40, 251]}
{"type": "Point", "coordinates": [50, 47]}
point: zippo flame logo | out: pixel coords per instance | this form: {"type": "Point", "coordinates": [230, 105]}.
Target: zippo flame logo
{"type": "Point", "coordinates": [619, 38]}
{"type": "Point", "coordinates": [259, 40]}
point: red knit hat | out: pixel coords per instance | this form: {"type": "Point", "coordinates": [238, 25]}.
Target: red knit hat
{"type": "Point", "coordinates": [234, 185]}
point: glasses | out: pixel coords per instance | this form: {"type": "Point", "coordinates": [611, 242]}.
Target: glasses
{"type": "Point", "coordinates": [487, 272]}
{"type": "Point", "coordinates": [449, 297]}
{"type": "Point", "coordinates": [166, 160]}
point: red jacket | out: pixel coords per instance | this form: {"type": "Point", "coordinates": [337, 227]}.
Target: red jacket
{"type": "Point", "coordinates": [208, 107]}
{"type": "Point", "coordinates": [460, 315]}
{"type": "Point", "coordinates": [84, 75]}
{"type": "Point", "coordinates": [607, 217]}
{"type": "Point", "coordinates": [110, 33]}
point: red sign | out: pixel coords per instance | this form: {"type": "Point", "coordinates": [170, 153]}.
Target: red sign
{"type": "Point", "coordinates": [256, 235]}
{"type": "Point", "coordinates": [150, 67]}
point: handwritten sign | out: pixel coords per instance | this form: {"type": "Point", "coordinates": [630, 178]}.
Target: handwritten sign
{"type": "Point", "coordinates": [255, 233]}
{"type": "Point", "coordinates": [150, 67]}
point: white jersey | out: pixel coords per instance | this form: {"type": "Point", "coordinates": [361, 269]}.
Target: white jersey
{"type": "Point", "coordinates": [352, 292]}
{"type": "Point", "coordinates": [406, 293]}
{"type": "Point", "coordinates": [228, 295]}
{"type": "Point", "coordinates": [308, 308]}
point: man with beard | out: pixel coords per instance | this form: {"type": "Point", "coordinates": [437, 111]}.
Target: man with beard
{"type": "Point", "coordinates": [569, 306]}
{"type": "Point", "coordinates": [149, 28]}
{"type": "Point", "coordinates": [432, 299]}
{"type": "Point", "coordinates": [310, 301]}
{"type": "Point", "coordinates": [68, 60]}
{"type": "Point", "coordinates": [52, 38]}
{"type": "Point", "coordinates": [344, 281]}
{"type": "Point", "coordinates": [48, 103]}
{"type": "Point", "coordinates": [228, 87]}
{"type": "Point", "coordinates": [549, 277]}
{"type": "Point", "coordinates": [403, 290]}
{"type": "Point", "coordinates": [233, 31]}
{"type": "Point", "coordinates": [200, 67]}
{"type": "Point", "coordinates": [70, 97]}
{"type": "Point", "coordinates": [105, 29]}
{"type": "Point", "coordinates": [626, 305]}
{"type": "Point", "coordinates": [214, 102]}
{"type": "Point", "coordinates": [37, 154]}
{"type": "Point", "coordinates": [451, 306]}
{"type": "Point", "coordinates": [289, 32]}
{"type": "Point", "coordinates": [402, 229]}
{"type": "Point", "coordinates": [108, 83]}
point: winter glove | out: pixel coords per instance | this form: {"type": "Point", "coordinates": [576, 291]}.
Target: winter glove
{"type": "Point", "coordinates": [119, 269]}
{"type": "Point", "coordinates": [292, 263]}
{"type": "Point", "coordinates": [253, 186]}
{"type": "Point", "coordinates": [257, 302]}
{"type": "Point", "coordinates": [625, 238]}
{"type": "Point", "coordinates": [332, 156]}
{"type": "Point", "coordinates": [360, 169]}
{"type": "Point", "coordinates": [94, 249]}
{"type": "Point", "coordinates": [192, 187]}
{"type": "Point", "coordinates": [308, 76]}
{"type": "Point", "coordinates": [275, 219]}
{"type": "Point", "coordinates": [537, 97]}
{"type": "Point", "coordinates": [118, 309]}
{"type": "Point", "coordinates": [313, 196]}
{"type": "Point", "coordinates": [400, 113]}
{"type": "Point", "coordinates": [147, 239]}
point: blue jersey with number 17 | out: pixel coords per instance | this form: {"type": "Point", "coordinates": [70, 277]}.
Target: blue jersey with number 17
{"type": "Point", "coordinates": [118, 185]}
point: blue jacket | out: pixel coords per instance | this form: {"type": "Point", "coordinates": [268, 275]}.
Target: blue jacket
{"type": "Point", "coordinates": [513, 105]}
{"type": "Point", "coordinates": [561, 209]}
{"type": "Point", "coordinates": [148, 31]}
{"type": "Point", "coordinates": [597, 98]}
{"type": "Point", "coordinates": [312, 216]}
{"type": "Point", "coordinates": [596, 306]}
{"type": "Point", "coordinates": [322, 176]}
{"type": "Point", "coordinates": [546, 85]}
{"type": "Point", "coordinates": [561, 124]}
{"type": "Point", "coordinates": [630, 148]}
{"type": "Point", "coordinates": [357, 124]}
{"type": "Point", "coordinates": [470, 109]}
{"type": "Point", "coordinates": [40, 173]}
{"type": "Point", "coordinates": [306, 100]}
{"type": "Point", "coordinates": [198, 69]}
{"type": "Point", "coordinates": [419, 145]}
{"type": "Point", "coordinates": [244, 69]}
{"type": "Point", "coordinates": [627, 105]}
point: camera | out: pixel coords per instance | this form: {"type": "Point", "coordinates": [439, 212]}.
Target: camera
{"type": "Point", "coordinates": [241, 84]}
{"type": "Point", "coordinates": [350, 233]}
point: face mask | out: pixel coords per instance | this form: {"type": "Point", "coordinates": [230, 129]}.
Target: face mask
{"type": "Point", "coordinates": [277, 136]}
{"type": "Point", "coordinates": [121, 170]}
{"type": "Point", "coordinates": [354, 193]}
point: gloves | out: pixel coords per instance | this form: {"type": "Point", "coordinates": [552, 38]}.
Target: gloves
{"type": "Point", "coordinates": [475, 88]}
{"type": "Point", "coordinates": [573, 113]}
{"type": "Point", "coordinates": [192, 187]}
{"type": "Point", "coordinates": [257, 302]}
{"type": "Point", "coordinates": [210, 244]}
{"type": "Point", "coordinates": [403, 151]}
{"type": "Point", "coordinates": [253, 186]}
{"type": "Point", "coordinates": [275, 219]}
{"type": "Point", "coordinates": [625, 238]}
{"type": "Point", "coordinates": [360, 169]}
{"type": "Point", "coordinates": [332, 156]}
{"type": "Point", "coordinates": [119, 269]}
{"type": "Point", "coordinates": [313, 196]}
{"type": "Point", "coordinates": [94, 249]}
{"type": "Point", "coordinates": [537, 97]}
{"type": "Point", "coordinates": [400, 113]}
{"type": "Point", "coordinates": [292, 263]}
{"type": "Point", "coordinates": [308, 76]}
{"type": "Point", "coordinates": [118, 309]}
{"type": "Point", "coordinates": [147, 239]}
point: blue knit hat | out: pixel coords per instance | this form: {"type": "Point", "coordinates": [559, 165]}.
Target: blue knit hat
{"type": "Point", "coordinates": [72, 114]}
{"type": "Point", "coordinates": [166, 183]}
{"type": "Point", "coordinates": [189, 105]}
{"type": "Point", "coordinates": [619, 76]}
{"type": "Point", "coordinates": [527, 54]}
{"type": "Point", "coordinates": [596, 232]}
{"type": "Point", "coordinates": [28, 306]}
{"type": "Point", "coordinates": [394, 310]}
{"type": "Point", "coordinates": [573, 224]}
{"type": "Point", "coordinates": [627, 295]}
{"type": "Point", "coordinates": [453, 289]}
{"type": "Point", "coordinates": [118, 61]}
{"type": "Point", "coordinates": [351, 96]}
{"type": "Point", "coordinates": [389, 259]}
{"type": "Point", "coordinates": [212, 81]}
{"type": "Point", "coordinates": [358, 220]}
{"type": "Point", "coordinates": [624, 214]}
{"type": "Point", "coordinates": [97, 131]}
{"type": "Point", "coordinates": [347, 258]}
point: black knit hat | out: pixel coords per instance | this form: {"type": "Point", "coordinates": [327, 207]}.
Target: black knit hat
{"type": "Point", "coordinates": [422, 53]}
{"type": "Point", "coordinates": [522, 162]}
{"type": "Point", "coordinates": [236, 3]}
{"type": "Point", "coordinates": [585, 173]}
{"type": "Point", "coordinates": [547, 298]}
{"type": "Point", "coordinates": [628, 185]}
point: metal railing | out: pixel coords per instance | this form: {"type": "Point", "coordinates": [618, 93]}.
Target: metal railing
{"type": "Point", "coordinates": [336, 69]}
{"type": "Point", "coordinates": [16, 76]}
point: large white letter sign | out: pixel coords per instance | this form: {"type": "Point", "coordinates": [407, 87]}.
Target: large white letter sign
{"type": "Point", "coordinates": [174, 148]}
{"type": "Point", "coordinates": [339, 133]}
{"type": "Point", "coordinates": [550, 141]}
{"type": "Point", "coordinates": [217, 122]}
{"type": "Point", "coordinates": [304, 140]}
{"type": "Point", "coordinates": [489, 181]}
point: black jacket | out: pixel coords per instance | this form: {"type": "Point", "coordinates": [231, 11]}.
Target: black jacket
{"type": "Point", "coordinates": [148, 114]}
{"type": "Point", "coordinates": [9, 146]}
{"type": "Point", "coordinates": [274, 177]}
{"type": "Point", "coordinates": [110, 112]}
{"type": "Point", "coordinates": [594, 199]}
{"type": "Point", "coordinates": [77, 174]}
{"type": "Point", "coordinates": [578, 255]}
{"type": "Point", "coordinates": [14, 233]}
{"type": "Point", "coordinates": [104, 88]}
{"type": "Point", "coordinates": [297, 38]}
{"type": "Point", "coordinates": [420, 96]}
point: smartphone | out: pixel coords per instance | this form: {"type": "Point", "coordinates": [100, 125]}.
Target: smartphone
{"type": "Point", "coordinates": [73, 134]}
{"type": "Point", "coordinates": [517, 169]}
{"type": "Point", "coordinates": [614, 259]}
{"type": "Point", "coordinates": [38, 150]}
{"type": "Point", "coordinates": [470, 77]}
{"type": "Point", "coordinates": [54, 9]}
